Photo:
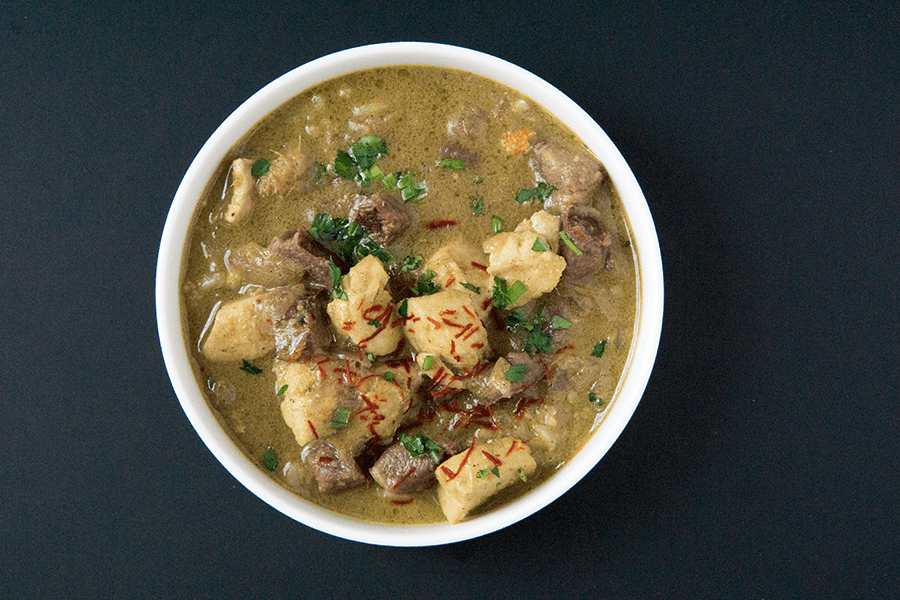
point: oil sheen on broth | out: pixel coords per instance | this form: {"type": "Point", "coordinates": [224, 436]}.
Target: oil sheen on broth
{"type": "Point", "coordinates": [490, 339]}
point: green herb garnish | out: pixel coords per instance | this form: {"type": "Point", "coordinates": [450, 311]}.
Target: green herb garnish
{"type": "Point", "coordinates": [496, 224]}
{"type": "Point", "coordinates": [593, 399]}
{"type": "Point", "coordinates": [259, 168]}
{"type": "Point", "coordinates": [249, 368]}
{"type": "Point", "coordinates": [516, 373]}
{"type": "Point", "coordinates": [388, 376]}
{"type": "Point", "coordinates": [412, 262]}
{"type": "Point", "coordinates": [559, 323]}
{"type": "Point", "coordinates": [538, 245]}
{"type": "Point", "coordinates": [270, 461]}
{"type": "Point", "coordinates": [452, 163]}
{"type": "Point", "coordinates": [476, 203]}
{"type": "Point", "coordinates": [598, 349]}
{"type": "Point", "coordinates": [427, 362]}
{"type": "Point", "coordinates": [536, 336]}
{"type": "Point", "coordinates": [403, 309]}
{"type": "Point", "coordinates": [358, 162]}
{"type": "Point", "coordinates": [410, 189]}
{"type": "Point", "coordinates": [348, 239]}
{"type": "Point", "coordinates": [419, 445]}
{"type": "Point", "coordinates": [540, 192]}
{"type": "Point", "coordinates": [565, 238]}
{"type": "Point", "coordinates": [470, 287]}
{"type": "Point", "coordinates": [340, 419]}
{"type": "Point", "coordinates": [504, 296]}
{"type": "Point", "coordinates": [281, 390]}
{"type": "Point", "coordinates": [321, 169]}
{"type": "Point", "coordinates": [522, 475]}
{"type": "Point", "coordinates": [336, 290]}
{"type": "Point", "coordinates": [374, 323]}
{"type": "Point", "coordinates": [485, 472]}
{"type": "Point", "coordinates": [425, 286]}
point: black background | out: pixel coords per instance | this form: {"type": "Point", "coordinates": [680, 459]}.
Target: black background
{"type": "Point", "coordinates": [762, 461]}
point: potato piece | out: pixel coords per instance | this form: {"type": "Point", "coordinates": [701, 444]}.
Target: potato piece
{"type": "Point", "coordinates": [367, 316]}
{"type": "Point", "coordinates": [310, 399]}
{"type": "Point", "coordinates": [446, 325]}
{"type": "Point", "coordinates": [513, 257]}
{"type": "Point", "coordinates": [236, 333]}
{"type": "Point", "coordinates": [243, 186]}
{"type": "Point", "coordinates": [458, 263]}
{"type": "Point", "coordinates": [467, 479]}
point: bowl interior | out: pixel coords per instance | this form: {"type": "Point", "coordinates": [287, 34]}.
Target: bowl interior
{"type": "Point", "coordinates": [173, 247]}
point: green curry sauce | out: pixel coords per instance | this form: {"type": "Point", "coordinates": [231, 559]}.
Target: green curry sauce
{"type": "Point", "coordinates": [408, 107]}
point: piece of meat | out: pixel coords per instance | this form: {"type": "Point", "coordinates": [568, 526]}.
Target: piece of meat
{"type": "Point", "coordinates": [469, 122]}
{"type": "Point", "coordinates": [384, 217]}
{"type": "Point", "coordinates": [583, 226]}
{"type": "Point", "coordinates": [499, 387]}
{"type": "Point", "coordinates": [306, 255]}
{"type": "Point", "coordinates": [296, 316]}
{"type": "Point", "coordinates": [333, 472]}
{"type": "Point", "coordinates": [454, 150]}
{"type": "Point", "coordinates": [573, 171]}
{"type": "Point", "coordinates": [400, 474]}
{"type": "Point", "coordinates": [251, 263]}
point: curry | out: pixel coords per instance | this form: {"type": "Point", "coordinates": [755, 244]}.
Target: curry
{"type": "Point", "coordinates": [410, 294]}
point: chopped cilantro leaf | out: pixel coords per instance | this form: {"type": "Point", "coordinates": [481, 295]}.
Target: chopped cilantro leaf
{"type": "Point", "coordinates": [260, 168]}
{"type": "Point", "coordinates": [270, 461]}
{"type": "Point", "coordinates": [470, 287]}
{"type": "Point", "coordinates": [559, 323]}
{"type": "Point", "coordinates": [452, 163]}
{"type": "Point", "coordinates": [281, 390]}
{"type": "Point", "coordinates": [496, 224]}
{"type": "Point", "coordinates": [425, 286]}
{"type": "Point", "coordinates": [403, 309]}
{"type": "Point", "coordinates": [540, 192]}
{"type": "Point", "coordinates": [419, 445]}
{"type": "Point", "coordinates": [410, 189]}
{"type": "Point", "coordinates": [593, 399]}
{"type": "Point", "coordinates": [336, 289]}
{"type": "Point", "coordinates": [565, 238]}
{"type": "Point", "coordinates": [348, 239]}
{"type": "Point", "coordinates": [340, 419]}
{"type": "Point", "coordinates": [598, 349]}
{"type": "Point", "coordinates": [374, 323]}
{"type": "Point", "coordinates": [427, 362]}
{"type": "Point", "coordinates": [522, 475]}
{"type": "Point", "coordinates": [504, 295]}
{"type": "Point", "coordinates": [516, 373]}
{"type": "Point", "coordinates": [476, 203]}
{"type": "Point", "coordinates": [411, 262]}
{"type": "Point", "coordinates": [485, 472]}
{"type": "Point", "coordinates": [538, 245]}
{"type": "Point", "coordinates": [250, 368]}
{"type": "Point", "coordinates": [388, 376]}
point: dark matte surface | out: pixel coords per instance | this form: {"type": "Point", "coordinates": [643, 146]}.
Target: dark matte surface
{"type": "Point", "coordinates": [763, 460]}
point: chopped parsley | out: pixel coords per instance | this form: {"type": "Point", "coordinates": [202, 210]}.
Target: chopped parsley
{"type": "Point", "coordinates": [476, 203]}
{"type": "Point", "coordinates": [452, 163]}
{"type": "Point", "coordinates": [504, 296]}
{"type": "Point", "coordinates": [425, 286]}
{"type": "Point", "coordinates": [388, 376]}
{"type": "Point", "coordinates": [470, 287]}
{"type": "Point", "coordinates": [358, 162]}
{"type": "Point", "coordinates": [565, 238]}
{"type": "Point", "coordinates": [540, 192]}
{"type": "Point", "coordinates": [516, 373]}
{"type": "Point", "coordinates": [419, 445]}
{"type": "Point", "coordinates": [260, 168]}
{"type": "Point", "coordinates": [403, 309]}
{"type": "Point", "coordinates": [536, 336]}
{"type": "Point", "coordinates": [340, 419]}
{"type": "Point", "coordinates": [522, 475]}
{"type": "Point", "coordinates": [559, 323]}
{"type": "Point", "coordinates": [374, 323]}
{"type": "Point", "coordinates": [281, 390]}
{"type": "Point", "coordinates": [348, 239]}
{"type": "Point", "coordinates": [598, 349]}
{"type": "Point", "coordinates": [270, 460]}
{"type": "Point", "coordinates": [250, 368]}
{"type": "Point", "coordinates": [538, 245]}
{"type": "Point", "coordinates": [485, 472]}
{"type": "Point", "coordinates": [496, 224]}
{"type": "Point", "coordinates": [593, 399]}
{"type": "Point", "coordinates": [427, 362]}
{"type": "Point", "coordinates": [336, 290]}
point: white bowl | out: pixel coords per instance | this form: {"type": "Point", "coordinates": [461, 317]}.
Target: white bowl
{"type": "Point", "coordinates": [173, 248]}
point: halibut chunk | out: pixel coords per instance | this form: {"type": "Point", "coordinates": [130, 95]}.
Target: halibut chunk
{"type": "Point", "coordinates": [310, 399]}
{"type": "Point", "coordinates": [527, 255]}
{"type": "Point", "coordinates": [446, 326]}
{"type": "Point", "coordinates": [237, 333]}
{"type": "Point", "coordinates": [243, 186]}
{"type": "Point", "coordinates": [367, 316]}
{"type": "Point", "coordinates": [467, 479]}
{"type": "Point", "coordinates": [461, 266]}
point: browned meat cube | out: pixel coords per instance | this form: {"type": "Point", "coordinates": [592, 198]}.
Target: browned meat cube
{"type": "Point", "coordinates": [586, 231]}
{"type": "Point", "coordinates": [400, 474]}
{"type": "Point", "coordinates": [574, 172]}
{"type": "Point", "coordinates": [333, 472]}
{"type": "Point", "coordinates": [383, 216]}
